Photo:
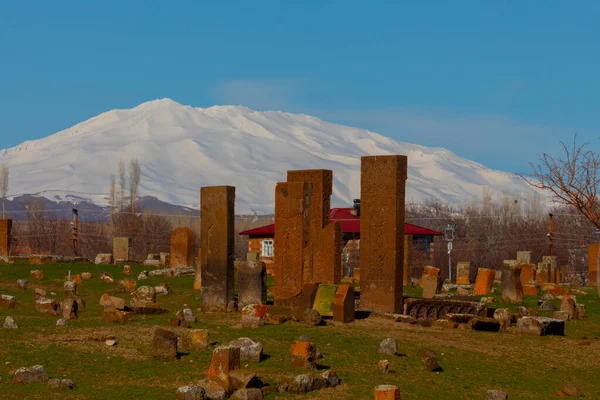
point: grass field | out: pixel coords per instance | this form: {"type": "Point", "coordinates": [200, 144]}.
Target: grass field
{"type": "Point", "coordinates": [524, 367]}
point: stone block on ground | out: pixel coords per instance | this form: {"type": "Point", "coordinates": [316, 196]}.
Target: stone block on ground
{"type": "Point", "coordinates": [540, 326]}
{"type": "Point", "coordinates": [512, 290]}
{"type": "Point", "coordinates": [61, 383]}
{"type": "Point", "coordinates": [164, 345]}
{"type": "Point", "coordinates": [462, 273]}
{"type": "Point", "coordinates": [47, 306]}
{"type": "Point", "coordinates": [249, 350]}
{"type": "Point", "coordinates": [567, 304]}
{"type": "Point", "coordinates": [344, 304]}
{"type": "Point", "coordinates": [22, 284]}
{"type": "Point", "coordinates": [387, 392]}
{"type": "Point", "coordinates": [383, 367]}
{"type": "Point", "coordinates": [196, 339]}
{"type": "Point", "coordinates": [547, 306]}
{"type": "Point", "coordinates": [36, 274]}
{"type": "Point", "coordinates": [252, 286]}
{"type": "Point", "coordinates": [247, 394]}
{"type": "Point", "coordinates": [30, 375]}
{"type": "Point", "coordinates": [103, 259]}
{"type": "Point", "coordinates": [110, 301]}
{"type": "Point", "coordinates": [530, 290]}
{"type": "Point", "coordinates": [192, 392]}
{"type": "Point", "coordinates": [69, 308]}
{"type": "Point", "coordinates": [126, 269]}
{"type": "Point", "coordinates": [86, 275]}
{"type": "Point", "coordinates": [253, 315]}
{"type": "Point", "coordinates": [496, 395]}
{"type": "Point", "coordinates": [303, 354]}
{"type": "Point", "coordinates": [144, 296]}
{"type": "Point", "coordinates": [126, 285]}
{"type": "Point", "coordinates": [388, 346]}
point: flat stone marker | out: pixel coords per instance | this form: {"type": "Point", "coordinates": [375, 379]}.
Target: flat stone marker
{"type": "Point", "coordinates": [324, 300]}
{"type": "Point", "coordinates": [183, 242]}
{"type": "Point", "coordinates": [485, 280]}
{"type": "Point", "coordinates": [343, 304]}
{"type": "Point", "coordinates": [252, 286]}
{"type": "Point", "coordinates": [462, 273]}
{"type": "Point", "coordinates": [121, 249]}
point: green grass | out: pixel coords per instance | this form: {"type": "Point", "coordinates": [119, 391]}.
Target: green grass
{"type": "Point", "coordinates": [525, 367]}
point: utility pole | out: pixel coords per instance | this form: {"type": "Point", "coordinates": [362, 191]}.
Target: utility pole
{"type": "Point", "coordinates": [449, 237]}
{"type": "Point", "coordinates": [74, 229]}
{"type": "Point", "coordinates": [550, 233]}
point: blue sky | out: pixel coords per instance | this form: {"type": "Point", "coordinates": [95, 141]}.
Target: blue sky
{"type": "Point", "coordinates": [496, 82]}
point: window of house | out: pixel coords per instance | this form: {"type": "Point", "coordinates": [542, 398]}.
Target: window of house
{"type": "Point", "coordinates": [267, 248]}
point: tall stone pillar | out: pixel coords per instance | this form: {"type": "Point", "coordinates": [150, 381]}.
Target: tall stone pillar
{"type": "Point", "coordinates": [383, 183]}
{"type": "Point", "coordinates": [217, 246]}
{"type": "Point", "coordinates": [292, 202]}
{"type": "Point", "coordinates": [5, 227]}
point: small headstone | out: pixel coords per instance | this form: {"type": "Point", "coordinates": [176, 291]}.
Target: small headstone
{"type": "Point", "coordinates": [142, 276]}
{"type": "Point", "coordinates": [383, 367]}
{"type": "Point", "coordinates": [188, 316]}
{"type": "Point", "coordinates": [249, 350]}
{"type": "Point", "coordinates": [568, 305]}
{"type": "Point", "coordinates": [61, 322]}
{"type": "Point", "coordinates": [162, 289]}
{"type": "Point", "coordinates": [22, 284]}
{"type": "Point", "coordinates": [512, 289]}
{"type": "Point", "coordinates": [165, 345]}
{"type": "Point", "coordinates": [103, 258]}
{"type": "Point", "coordinates": [68, 309]}
{"type": "Point", "coordinates": [29, 375]}
{"type": "Point", "coordinates": [343, 304]}
{"type": "Point", "coordinates": [144, 296]}
{"type": "Point", "coordinates": [252, 285]}
{"type": "Point", "coordinates": [126, 285]}
{"type": "Point", "coordinates": [303, 354]}
{"type": "Point", "coordinates": [484, 281]}
{"type": "Point", "coordinates": [388, 346]}
{"type": "Point", "coordinates": [540, 326]}
{"type": "Point", "coordinates": [47, 306]}
{"type": "Point", "coordinates": [224, 360]}
{"type": "Point", "coordinates": [127, 270]}
{"type": "Point", "coordinates": [386, 392]}
{"type": "Point", "coordinates": [9, 323]}
{"type": "Point", "coordinates": [165, 259]}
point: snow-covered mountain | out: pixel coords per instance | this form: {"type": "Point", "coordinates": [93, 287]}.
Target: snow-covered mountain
{"type": "Point", "coordinates": [182, 148]}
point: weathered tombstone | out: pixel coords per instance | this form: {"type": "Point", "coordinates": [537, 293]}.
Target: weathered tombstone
{"type": "Point", "coordinates": [292, 201]}
{"type": "Point", "coordinates": [322, 256]}
{"type": "Point", "coordinates": [36, 274]}
{"type": "Point", "coordinates": [7, 301]}
{"type": "Point", "coordinates": [303, 354]}
{"type": "Point", "coordinates": [324, 300]}
{"type": "Point", "coordinates": [224, 360]}
{"type": "Point", "coordinates": [103, 259]}
{"type": "Point", "coordinates": [462, 273]}
{"type": "Point", "coordinates": [164, 345]}
{"type": "Point", "coordinates": [527, 274]}
{"type": "Point", "coordinates": [249, 350]}
{"type": "Point", "coordinates": [252, 286]}
{"type": "Point", "coordinates": [540, 326]}
{"type": "Point", "coordinates": [383, 184]}
{"type": "Point", "coordinates": [143, 297]}
{"type": "Point", "coordinates": [5, 238]}
{"type": "Point", "coordinates": [343, 304]}
{"type": "Point", "coordinates": [183, 241]}
{"type": "Point", "coordinates": [429, 270]}
{"type": "Point", "coordinates": [524, 257]}
{"type": "Point", "coordinates": [121, 252]}
{"type": "Point", "coordinates": [431, 284]}
{"type": "Point", "coordinates": [217, 246]}
{"type": "Point", "coordinates": [484, 281]}
{"type": "Point", "coordinates": [386, 392]}
{"type": "Point", "coordinates": [196, 339]}
{"type": "Point", "coordinates": [512, 290]}
{"type": "Point", "coordinates": [550, 261]}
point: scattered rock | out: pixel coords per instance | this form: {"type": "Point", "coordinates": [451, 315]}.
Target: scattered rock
{"type": "Point", "coordinates": [7, 301]}
{"type": "Point", "coordinates": [562, 315]}
{"type": "Point", "coordinates": [254, 315]}
{"type": "Point", "coordinates": [144, 296]}
{"type": "Point", "coordinates": [522, 311]}
{"type": "Point", "coordinates": [547, 306]}
{"type": "Point", "coordinates": [430, 360]}
{"type": "Point", "coordinates": [69, 309]}
{"type": "Point", "coordinates": [247, 394]}
{"type": "Point", "coordinates": [103, 258]}
{"type": "Point", "coordinates": [540, 326]}
{"type": "Point", "coordinates": [486, 300]}
{"type": "Point", "coordinates": [33, 374]}
{"type": "Point", "coordinates": [126, 285]}
{"type": "Point", "coordinates": [126, 269]}
{"type": "Point", "coordinates": [196, 339]}
{"type": "Point", "coordinates": [107, 279]}
{"type": "Point", "coordinates": [188, 316]}
{"type": "Point", "coordinates": [61, 322]}
{"type": "Point", "coordinates": [191, 393]}
{"type": "Point", "coordinates": [303, 354]}
{"type": "Point", "coordinates": [242, 380]}
{"type": "Point", "coordinates": [232, 307]}
{"type": "Point", "coordinates": [547, 297]}
{"type": "Point", "coordinates": [214, 391]}
{"type": "Point", "coordinates": [61, 383]}
{"type": "Point", "coordinates": [142, 276]}
{"type": "Point", "coordinates": [36, 274]}
{"type": "Point", "coordinates": [86, 275]}
{"type": "Point", "coordinates": [162, 289]}
{"type": "Point", "coordinates": [22, 284]}
{"type": "Point", "coordinates": [570, 390]}
{"type": "Point", "coordinates": [47, 306]}
{"type": "Point", "coordinates": [312, 317]}
{"type": "Point", "coordinates": [385, 392]}
{"type": "Point", "coordinates": [9, 323]}
{"type": "Point", "coordinates": [110, 342]}
{"type": "Point", "coordinates": [495, 395]}
{"type": "Point", "coordinates": [388, 346]}
{"type": "Point", "coordinates": [249, 350]}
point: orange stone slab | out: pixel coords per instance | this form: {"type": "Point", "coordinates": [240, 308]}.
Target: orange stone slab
{"type": "Point", "coordinates": [224, 360]}
{"type": "Point", "coordinates": [462, 273]}
{"type": "Point", "coordinates": [183, 242]}
{"type": "Point", "coordinates": [343, 304]}
{"type": "Point", "coordinates": [485, 280]}
{"type": "Point", "coordinates": [387, 392]}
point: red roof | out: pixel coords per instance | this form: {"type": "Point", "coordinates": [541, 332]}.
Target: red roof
{"type": "Point", "coordinates": [349, 223]}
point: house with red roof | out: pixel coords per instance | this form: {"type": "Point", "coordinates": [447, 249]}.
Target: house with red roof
{"type": "Point", "coordinates": [418, 241]}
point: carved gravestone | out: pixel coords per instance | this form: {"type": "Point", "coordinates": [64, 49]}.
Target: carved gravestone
{"type": "Point", "coordinates": [322, 255]}
{"type": "Point", "coordinates": [462, 273]}
{"type": "Point", "coordinates": [252, 287]}
{"type": "Point", "coordinates": [524, 257]}
{"type": "Point", "coordinates": [512, 290]}
{"type": "Point", "coordinates": [121, 252]}
{"type": "Point", "coordinates": [383, 183]}
{"type": "Point", "coordinates": [183, 241]}
{"type": "Point", "coordinates": [5, 227]}
{"type": "Point", "coordinates": [292, 200]}
{"type": "Point", "coordinates": [593, 250]}
{"type": "Point", "coordinates": [217, 246]}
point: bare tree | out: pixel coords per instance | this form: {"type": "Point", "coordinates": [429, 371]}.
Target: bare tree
{"type": "Point", "coordinates": [112, 196]}
{"type": "Point", "coordinates": [3, 186]}
{"type": "Point", "coordinates": [134, 182]}
{"type": "Point", "coordinates": [572, 179]}
{"type": "Point", "coordinates": [121, 186]}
